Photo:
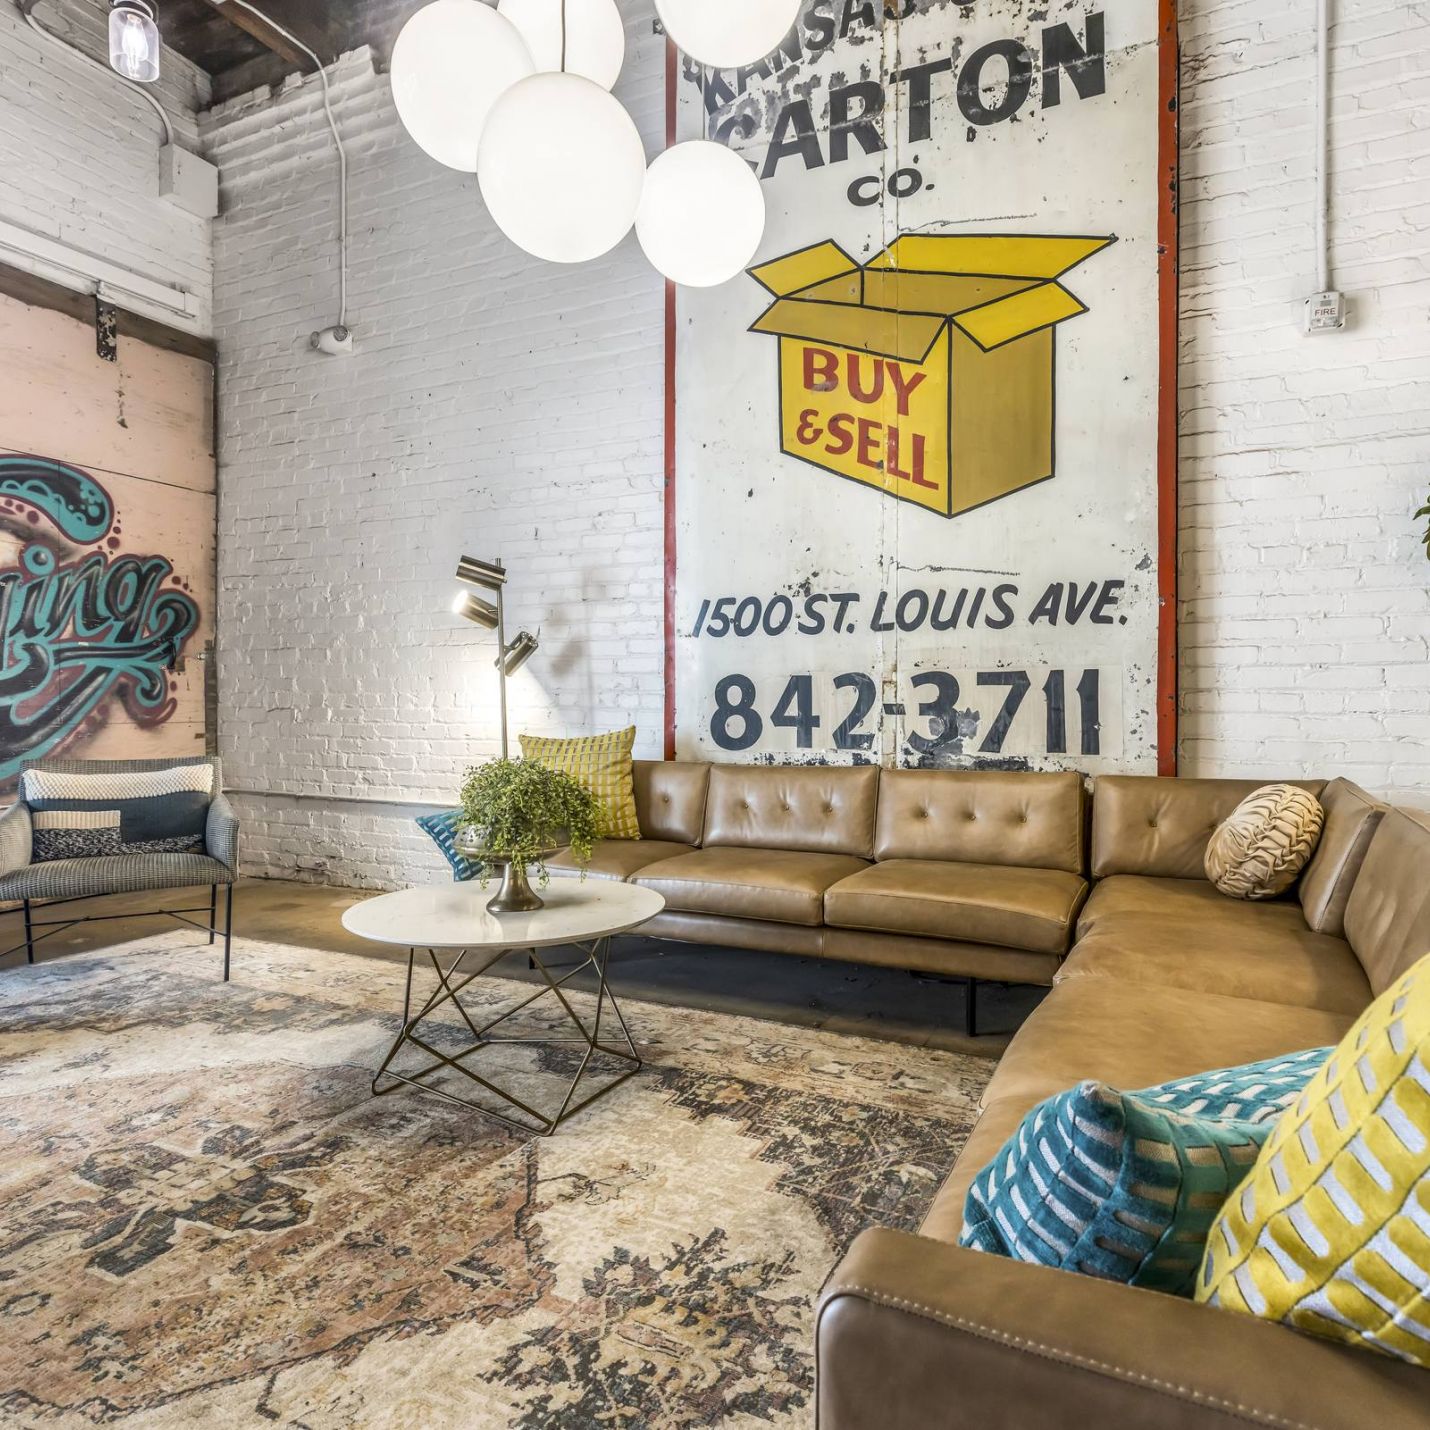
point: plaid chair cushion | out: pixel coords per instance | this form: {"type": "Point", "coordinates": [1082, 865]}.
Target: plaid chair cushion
{"type": "Point", "coordinates": [84, 878]}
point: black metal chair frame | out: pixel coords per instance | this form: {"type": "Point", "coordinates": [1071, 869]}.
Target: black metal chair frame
{"type": "Point", "coordinates": [56, 926]}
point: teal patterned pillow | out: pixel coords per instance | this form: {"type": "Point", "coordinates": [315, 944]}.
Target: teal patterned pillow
{"type": "Point", "coordinates": [1254, 1092]}
{"type": "Point", "coordinates": [443, 829]}
{"type": "Point", "coordinates": [1126, 1185]}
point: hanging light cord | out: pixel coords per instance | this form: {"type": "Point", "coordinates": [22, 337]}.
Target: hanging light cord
{"type": "Point", "coordinates": [27, 11]}
{"type": "Point", "coordinates": [563, 36]}
{"type": "Point", "coordinates": [337, 144]}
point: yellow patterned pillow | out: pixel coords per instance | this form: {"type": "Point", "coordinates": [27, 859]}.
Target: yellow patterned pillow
{"type": "Point", "coordinates": [603, 764]}
{"type": "Point", "coordinates": [1331, 1231]}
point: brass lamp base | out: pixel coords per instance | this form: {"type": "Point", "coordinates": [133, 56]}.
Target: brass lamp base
{"type": "Point", "coordinates": [515, 894]}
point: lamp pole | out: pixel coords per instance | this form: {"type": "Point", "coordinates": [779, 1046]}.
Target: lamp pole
{"type": "Point", "coordinates": [501, 667]}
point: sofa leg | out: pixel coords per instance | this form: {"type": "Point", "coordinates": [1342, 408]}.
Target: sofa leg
{"type": "Point", "coordinates": [970, 1009]}
{"type": "Point", "coordinates": [213, 912]}
{"type": "Point", "coordinates": [227, 929]}
{"type": "Point", "coordinates": [29, 936]}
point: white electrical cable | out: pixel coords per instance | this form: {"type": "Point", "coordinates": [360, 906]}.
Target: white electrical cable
{"type": "Point", "coordinates": [27, 12]}
{"type": "Point", "coordinates": [1322, 122]}
{"type": "Point", "coordinates": [337, 143]}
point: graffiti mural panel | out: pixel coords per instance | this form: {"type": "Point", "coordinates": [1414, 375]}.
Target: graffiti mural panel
{"type": "Point", "coordinates": [919, 448]}
{"type": "Point", "coordinates": [106, 573]}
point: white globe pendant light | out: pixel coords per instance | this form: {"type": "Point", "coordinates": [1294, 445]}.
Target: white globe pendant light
{"type": "Point", "coordinates": [453, 60]}
{"type": "Point", "coordinates": [726, 34]}
{"type": "Point", "coordinates": [702, 214]}
{"type": "Point", "coordinates": [561, 167]}
{"type": "Point", "coordinates": [594, 41]}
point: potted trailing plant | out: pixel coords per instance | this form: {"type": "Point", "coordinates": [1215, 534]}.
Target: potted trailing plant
{"type": "Point", "coordinates": [517, 812]}
{"type": "Point", "coordinates": [1425, 537]}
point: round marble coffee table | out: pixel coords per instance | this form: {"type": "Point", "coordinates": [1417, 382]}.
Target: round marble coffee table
{"type": "Point", "coordinates": [453, 918]}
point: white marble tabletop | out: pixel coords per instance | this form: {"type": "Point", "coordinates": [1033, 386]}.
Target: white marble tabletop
{"type": "Point", "coordinates": [455, 915]}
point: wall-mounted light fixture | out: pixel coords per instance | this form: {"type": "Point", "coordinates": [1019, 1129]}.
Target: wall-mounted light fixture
{"type": "Point", "coordinates": [133, 40]}
{"type": "Point", "coordinates": [490, 615]}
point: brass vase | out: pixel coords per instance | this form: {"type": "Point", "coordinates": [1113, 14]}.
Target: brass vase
{"type": "Point", "coordinates": [515, 894]}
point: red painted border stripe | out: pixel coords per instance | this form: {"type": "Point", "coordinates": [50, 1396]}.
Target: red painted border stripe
{"type": "Point", "coordinates": [1167, 275]}
{"type": "Point", "coordinates": [670, 80]}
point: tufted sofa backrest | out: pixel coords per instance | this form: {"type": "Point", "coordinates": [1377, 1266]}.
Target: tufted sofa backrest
{"type": "Point", "coordinates": [821, 809]}
{"type": "Point", "coordinates": [670, 798]}
{"type": "Point", "coordinates": [1145, 824]}
{"type": "Point", "coordinates": [1030, 821]}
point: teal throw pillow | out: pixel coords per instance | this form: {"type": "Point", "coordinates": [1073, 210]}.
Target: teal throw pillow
{"type": "Point", "coordinates": [443, 828]}
{"type": "Point", "coordinates": [1126, 1185]}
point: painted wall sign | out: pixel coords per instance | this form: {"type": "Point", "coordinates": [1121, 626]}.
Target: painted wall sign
{"type": "Point", "coordinates": [921, 460]}
{"type": "Point", "coordinates": [106, 551]}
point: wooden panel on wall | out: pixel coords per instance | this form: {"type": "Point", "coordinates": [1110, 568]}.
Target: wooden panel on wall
{"type": "Point", "coordinates": [107, 492]}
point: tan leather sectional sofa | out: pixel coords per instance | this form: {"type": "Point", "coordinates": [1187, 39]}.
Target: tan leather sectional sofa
{"type": "Point", "coordinates": [1156, 976]}
{"type": "Point", "coordinates": [966, 874]}
{"type": "Point", "coordinates": [1166, 978]}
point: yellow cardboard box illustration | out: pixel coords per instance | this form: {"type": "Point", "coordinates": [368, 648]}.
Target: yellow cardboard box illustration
{"type": "Point", "coordinates": [927, 372]}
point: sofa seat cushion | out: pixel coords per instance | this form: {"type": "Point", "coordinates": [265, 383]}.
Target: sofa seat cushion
{"type": "Point", "coordinates": [998, 1121]}
{"type": "Point", "coordinates": [1136, 1035]}
{"type": "Point", "coordinates": [618, 858]}
{"type": "Point", "coordinates": [781, 885]}
{"type": "Point", "coordinates": [1274, 964]}
{"type": "Point", "coordinates": [1139, 894]}
{"type": "Point", "coordinates": [981, 903]}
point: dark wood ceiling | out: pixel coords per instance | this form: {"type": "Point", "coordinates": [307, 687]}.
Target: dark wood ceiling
{"type": "Point", "coordinates": [240, 52]}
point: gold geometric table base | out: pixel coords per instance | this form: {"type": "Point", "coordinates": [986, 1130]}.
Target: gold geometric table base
{"type": "Point", "coordinates": [597, 956]}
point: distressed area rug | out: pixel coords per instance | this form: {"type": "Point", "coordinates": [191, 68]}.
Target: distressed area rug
{"type": "Point", "coordinates": [206, 1219]}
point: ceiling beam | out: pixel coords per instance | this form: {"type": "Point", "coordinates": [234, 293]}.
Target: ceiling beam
{"type": "Point", "coordinates": [270, 38]}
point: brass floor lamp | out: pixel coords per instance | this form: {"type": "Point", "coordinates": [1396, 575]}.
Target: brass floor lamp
{"type": "Point", "coordinates": [491, 615]}
{"type": "Point", "coordinates": [515, 895]}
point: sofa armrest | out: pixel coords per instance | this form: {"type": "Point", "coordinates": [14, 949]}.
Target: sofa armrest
{"type": "Point", "coordinates": [915, 1333]}
{"type": "Point", "coordinates": [17, 838]}
{"type": "Point", "coordinates": [221, 834]}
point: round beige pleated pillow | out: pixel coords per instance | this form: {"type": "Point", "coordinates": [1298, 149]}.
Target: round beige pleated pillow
{"type": "Point", "coordinates": [1257, 851]}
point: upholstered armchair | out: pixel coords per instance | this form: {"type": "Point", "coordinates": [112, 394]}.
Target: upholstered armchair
{"type": "Point", "coordinates": [47, 882]}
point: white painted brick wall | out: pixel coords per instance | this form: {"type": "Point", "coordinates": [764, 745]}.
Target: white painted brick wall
{"type": "Point", "coordinates": [81, 153]}
{"type": "Point", "coordinates": [496, 404]}
{"type": "Point", "coordinates": [1305, 617]}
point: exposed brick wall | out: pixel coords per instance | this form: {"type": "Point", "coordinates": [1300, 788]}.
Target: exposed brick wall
{"type": "Point", "coordinates": [81, 153]}
{"type": "Point", "coordinates": [1305, 620]}
{"type": "Point", "coordinates": [497, 404]}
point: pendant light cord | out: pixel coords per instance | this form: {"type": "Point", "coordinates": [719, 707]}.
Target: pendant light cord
{"type": "Point", "coordinates": [563, 36]}
{"type": "Point", "coordinates": [27, 12]}
{"type": "Point", "coordinates": [337, 144]}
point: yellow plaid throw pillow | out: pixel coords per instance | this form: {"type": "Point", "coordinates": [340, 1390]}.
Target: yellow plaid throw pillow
{"type": "Point", "coordinates": [1331, 1231]}
{"type": "Point", "coordinates": [603, 764]}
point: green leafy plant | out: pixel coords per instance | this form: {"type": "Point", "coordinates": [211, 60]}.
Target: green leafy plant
{"type": "Point", "coordinates": [518, 809]}
{"type": "Point", "coordinates": [1425, 512]}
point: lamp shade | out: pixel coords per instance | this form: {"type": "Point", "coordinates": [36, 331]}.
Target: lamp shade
{"type": "Point", "coordinates": [476, 572]}
{"type": "Point", "coordinates": [727, 33]}
{"type": "Point", "coordinates": [477, 611]}
{"type": "Point", "coordinates": [453, 60]}
{"type": "Point", "coordinates": [133, 40]}
{"type": "Point", "coordinates": [561, 167]}
{"type": "Point", "coordinates": [702, 213]}
{"type": "Point", "coordinates": [520, 649]}
{"type": "Point", "coordinates": [595, 37]}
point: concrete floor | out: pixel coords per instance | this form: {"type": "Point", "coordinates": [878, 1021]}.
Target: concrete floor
{"type": "Point", "coordinates": [819, 993]}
